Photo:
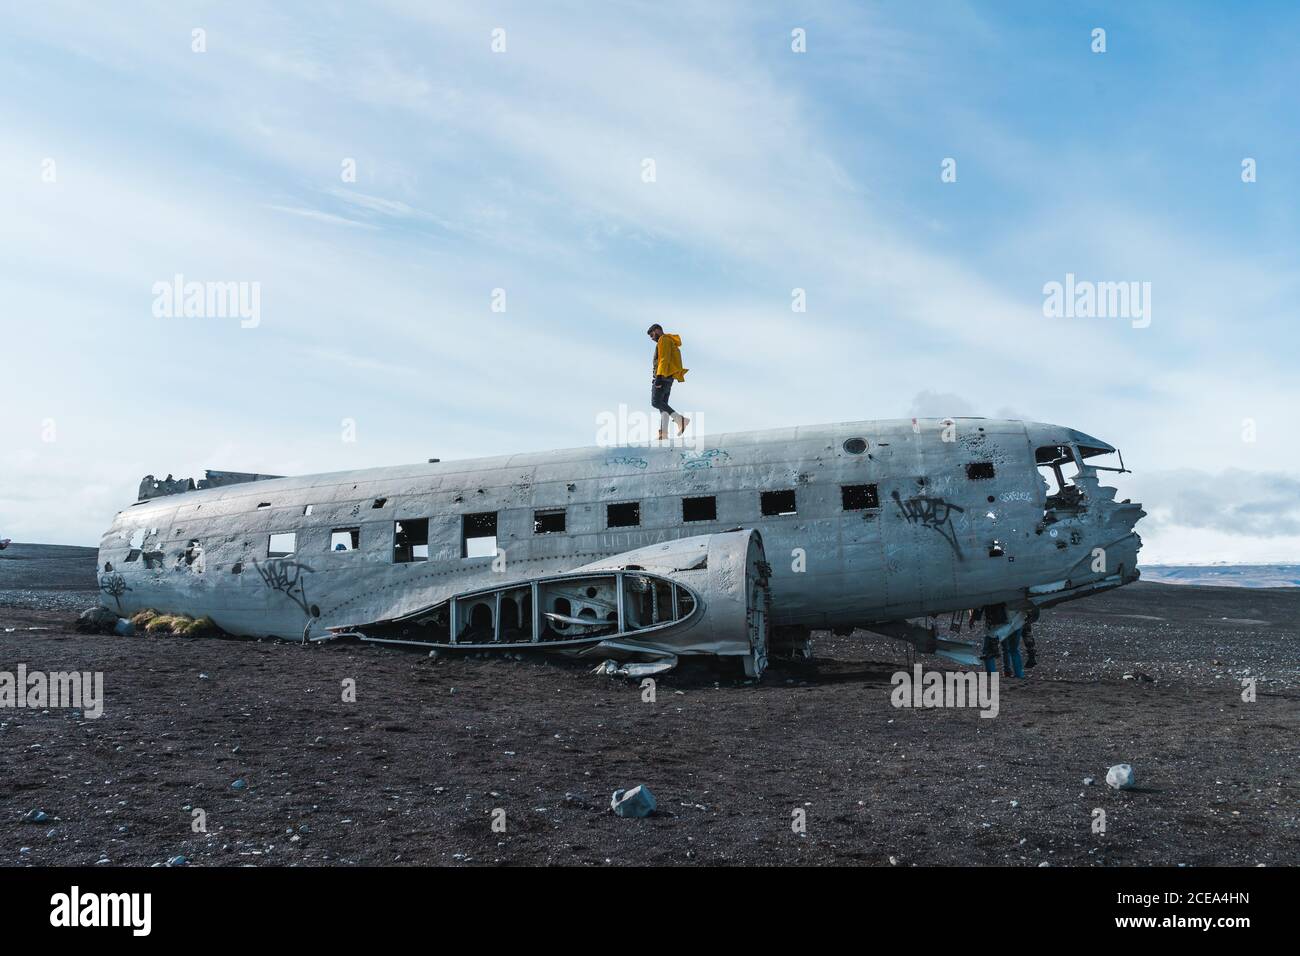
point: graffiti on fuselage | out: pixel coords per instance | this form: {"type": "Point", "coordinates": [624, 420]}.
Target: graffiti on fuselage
{"type": "Point", "coordinates": [114, 585]}
{"type": "Point", "coordinates": [704, 459]}
{"type": "Point", "coordinates": [640, 463]}
{"type": "Point", "coordinates": [287, 578]}
{"type": "Point", "coordinates": [935, 513]}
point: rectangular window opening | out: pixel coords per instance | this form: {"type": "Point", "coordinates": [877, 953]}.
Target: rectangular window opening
{"type": "Point", "coordinates": [978, 470]}
{"type": "Point", "coordinates": [306, 510]}
{"type": "Point", "coordinates": [411, 540]}
{"type": "Point", "coordinates": [778, 503]}
{"type": "Point", "coordinates": [281, 544]}
{"type": "Point", "coordinates": [345, 539]}
{"type": "Point", "coordinates": [479, 535]}
{"type": "Point", "coordinates": [550, 521]}
{"type": "Point", "coordinates": [379, 502]}
{"type": "Point", "coordinates": [859, 497]}
{"type": "Point", "coordinates": [700, 509]}
{"type": "Point", "coordinates": [625, 515]}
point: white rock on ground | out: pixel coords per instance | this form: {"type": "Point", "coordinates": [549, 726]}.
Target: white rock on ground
{"type": "Point", "coordinates": [1120, 777]}
{"type": "Point", "coordinates": [637, 802]}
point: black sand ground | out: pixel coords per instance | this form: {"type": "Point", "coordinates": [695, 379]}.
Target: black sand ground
{"type": "Point", "coordinates": [413, 770]}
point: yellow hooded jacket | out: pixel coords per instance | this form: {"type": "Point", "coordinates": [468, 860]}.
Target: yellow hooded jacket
{"type": "Point", "coordinates": [668, 357]}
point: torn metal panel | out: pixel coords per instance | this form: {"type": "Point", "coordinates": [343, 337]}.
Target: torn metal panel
{"type": "Point", "coordinates": [151, 487]}
{"type": "Point", "coordinates": [612, 668]}
{"type": "Point", "coordinates": [926, 640]}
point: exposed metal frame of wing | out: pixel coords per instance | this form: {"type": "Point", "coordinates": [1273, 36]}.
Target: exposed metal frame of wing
{"type": "Point", "coordinates": [704, 595]}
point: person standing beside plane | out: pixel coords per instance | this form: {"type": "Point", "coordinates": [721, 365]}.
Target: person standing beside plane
{"type": "Point", "coordinates": [999, 639]}
{"type": "Point", "coordinates": [666, 368]}
{"type": "Point", "coordinates": [1027, 634]}
{"type": "Point", "coordinates": [1012, 665]}
{"type": "Point", "coordinates": [989, 652]}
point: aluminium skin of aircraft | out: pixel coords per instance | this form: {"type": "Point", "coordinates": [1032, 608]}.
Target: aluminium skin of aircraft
{"type": "Point", "coordinates": [738, 546]}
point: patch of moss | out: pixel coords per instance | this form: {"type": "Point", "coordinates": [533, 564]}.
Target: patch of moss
{"type": "Point", "coordinates": [165, 624]}
{"type": "Point", "coordinates": [181, 625]}
{"type": "Point", "coordinates": [190, 627]}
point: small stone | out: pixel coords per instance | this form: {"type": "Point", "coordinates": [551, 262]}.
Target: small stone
{"type": "Point", "coordinates": [1120, 777]}
{"type": "Point", "coordinates": [35, 816]}
{"type": "Point", "coordinates": [637, 802]}
{"type": "Point", "coordinates": [240, 784]}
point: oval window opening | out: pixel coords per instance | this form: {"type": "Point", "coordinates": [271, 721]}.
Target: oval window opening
{"type": "Point", "coordinates": [855, 446]}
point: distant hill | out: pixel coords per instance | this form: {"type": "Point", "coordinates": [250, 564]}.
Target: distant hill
{"type": "Point", "coordinates": [45, 575]}
{"type": "Point", "coordinates": [49, 567]}
{"type": "Point", "coordinates": [1225, 575]}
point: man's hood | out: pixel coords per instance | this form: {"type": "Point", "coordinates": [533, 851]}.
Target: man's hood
{"type": "Point", "coordinates": [673, 337]}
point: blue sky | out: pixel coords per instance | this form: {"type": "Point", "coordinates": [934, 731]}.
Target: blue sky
{"type": "Point", "coordinates": [522, 170]}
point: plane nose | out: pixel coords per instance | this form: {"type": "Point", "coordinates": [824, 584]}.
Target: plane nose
{"type": "Point", "coordinates": [1087, 443]}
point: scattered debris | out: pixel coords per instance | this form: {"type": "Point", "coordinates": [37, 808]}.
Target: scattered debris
{"type": "Point", "coordinates": [637, 802]}
{"type": "Point", "coordinates": [240, 784]}
{"type": "Point", "coordinates": [579, 801]}
{"type": "Point", "coordinates": [35, 816]}
{"type": "Point", "coordinates": [636, 669]}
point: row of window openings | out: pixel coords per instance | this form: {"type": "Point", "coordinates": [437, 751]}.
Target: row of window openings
{"type": "Point", "coordinates": [695, 509]}
{"type": "Point", "coordinates": [410, 539]}
{"type": "Point", "coordinates": [479, 531]}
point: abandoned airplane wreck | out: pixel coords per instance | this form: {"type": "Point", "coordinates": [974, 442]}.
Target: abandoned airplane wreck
{"type": "Point", "coordinates": [736, 548]}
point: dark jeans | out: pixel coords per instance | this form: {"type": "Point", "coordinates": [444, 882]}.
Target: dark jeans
{"type": "Point", "coordinates": [1011, 660]}
{"type": "Point", "coordinates": [663, 384]}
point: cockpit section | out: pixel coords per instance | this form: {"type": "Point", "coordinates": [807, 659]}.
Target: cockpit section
{"type": "Point", "coordinates": [1068, 475]}
{"type": "Point", "coordinates": [1063, 496]}
{"type": "Point", "coordinates": [1087, 536]}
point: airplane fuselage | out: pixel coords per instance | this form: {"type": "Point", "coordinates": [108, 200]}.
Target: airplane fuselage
{"type": "Point", "coordinates": [860, 522]}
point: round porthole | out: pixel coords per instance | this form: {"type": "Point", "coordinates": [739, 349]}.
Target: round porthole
{"type": "Point", "coordinates": [855, 446]}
